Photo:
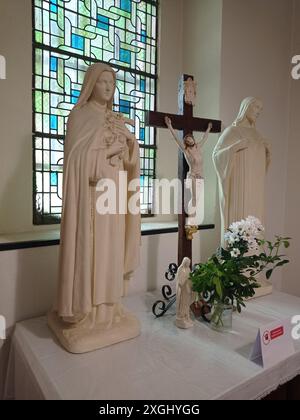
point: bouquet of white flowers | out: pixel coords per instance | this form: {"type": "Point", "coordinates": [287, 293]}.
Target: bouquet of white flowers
{"type": "Point", "coordinates": [229, 277]}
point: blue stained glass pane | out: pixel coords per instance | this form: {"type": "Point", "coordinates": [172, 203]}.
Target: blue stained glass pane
{"type": "Point", "coordinates": [125, 56]}
{"type": "Point", "coordinates": [54, 179]}
{"type": "Point", "coordinates": [144, 36]}
{"type": "Point", "coordinates": [142, 181]}
{"type": "Point", "coordinates": [77, 42]}
{"type": "Point", "coordinates": [142, 134]}
{"type": "Point", "coordinates": [74, 96]}
{"type": "Point", "coordinates": [102, 22]}
{"type": "Point", "coordinates": [53, 64]}
{"type": "Point", "coordinates": [76, 93]}
{"type": "Point", "coordinates": [143, 85]}
{"type": "Point", "coordinates": [126, 5]}
{"type": "Point", "coordinates": [53, 122]}
{"type": "Point", "coordinates": [124, 107]}
{"type": "Point", "coordinates": [53, 7]}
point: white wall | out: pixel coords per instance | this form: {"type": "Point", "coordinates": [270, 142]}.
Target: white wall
{"type": "Point", "coordinates": [256, 62]}
{"type": "Point", "coordinates": [170, 68]}
{"type": "Point", "coordinates": [291, 282]}
{"type": "Point", "coordinates": [202, 59]}
{"type": "Point", "coordinates": [16, 117]}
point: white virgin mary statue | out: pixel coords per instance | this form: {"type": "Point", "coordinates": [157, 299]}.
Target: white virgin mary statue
{"type": "Point", "coordinates": [241, 159]}
{"type": "Point", "coordinates": [99, 251]}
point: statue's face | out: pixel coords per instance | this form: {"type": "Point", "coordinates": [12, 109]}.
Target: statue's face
{"type": "Point", "coordinates": [104, 88]}
{"type": "Point", "coordinates": [254, 112]}
{"type": "Point", "coordinates": [189, 141]}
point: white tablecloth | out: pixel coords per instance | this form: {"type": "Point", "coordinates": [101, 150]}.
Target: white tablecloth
{"type": "Point", "coordinates": [162, 363]}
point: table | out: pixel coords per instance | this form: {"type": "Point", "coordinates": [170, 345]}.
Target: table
{"type": "Point", "coordinates": [163, 363]}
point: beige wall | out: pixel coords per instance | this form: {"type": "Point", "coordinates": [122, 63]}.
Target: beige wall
{"type": "Point", "coordinates": [291, 283]}
{"type": "Point", "coordinates": [202, 58]}
{"type": "Point", "coordinates": [256, 62]}
{"type": "Point", "coordinates": [15, 116]}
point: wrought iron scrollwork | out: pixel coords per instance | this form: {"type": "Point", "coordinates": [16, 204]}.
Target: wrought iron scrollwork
{"type": "Point", "coordinates": [160, 307]}
{"type": "Point", "coordinates": [171, 273]}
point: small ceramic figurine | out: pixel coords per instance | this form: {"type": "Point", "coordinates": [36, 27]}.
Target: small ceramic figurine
{"type": "Point", "coordinates": [184, 295]}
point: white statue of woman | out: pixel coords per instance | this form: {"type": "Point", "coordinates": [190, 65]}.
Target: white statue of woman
{"type": "Point", "coordinates": [241, 159]}
{"type": "Point", "coordinates": [184, 295]}
{"type": "Point", "coordinates": [192, 151]}
{"type": "Point", "coordinates": [98, 253]}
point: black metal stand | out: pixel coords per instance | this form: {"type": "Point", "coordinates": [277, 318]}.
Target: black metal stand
{"type": "Point", "coordinates": [160, 307]}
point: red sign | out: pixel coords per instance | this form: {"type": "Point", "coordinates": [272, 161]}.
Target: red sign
{"type": "Point", "coordinates": [278, 332]}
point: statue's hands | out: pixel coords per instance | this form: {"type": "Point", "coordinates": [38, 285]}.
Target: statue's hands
{"type": "Point", "coordinates": [123, 131]}
{"type": "Point", "coordinates": [116, 150]}
{"type": "Point", "coordinates": [210, 126]}
{"type": "Point", "coordinates": [168, 122]}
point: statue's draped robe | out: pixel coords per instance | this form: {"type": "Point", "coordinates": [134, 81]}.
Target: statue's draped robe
{"type": "Point", "coordinates": [94, 257]}
{"type": "Point", "coordinates": [241, 159]}
{"type": "Point", "coordinates": [183, 295]}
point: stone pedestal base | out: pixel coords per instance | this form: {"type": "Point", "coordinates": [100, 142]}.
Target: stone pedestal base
{"type": "Point", "coordinates": [184, 323]}
{"type": "Point", "coordinates": [84, 339]}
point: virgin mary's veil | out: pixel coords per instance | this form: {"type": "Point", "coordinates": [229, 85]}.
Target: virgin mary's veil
{"type": "Point", "coordinates": [246, 103]}
{"type": "Point", "coordinates": [92, 75]}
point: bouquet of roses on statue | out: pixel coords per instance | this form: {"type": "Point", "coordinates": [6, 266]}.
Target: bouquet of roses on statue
{"type": "Point", "coordinates": [230, 276]}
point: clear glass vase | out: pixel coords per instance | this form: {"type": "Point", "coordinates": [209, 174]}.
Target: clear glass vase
{"type": "Point", "coordinates": [221, 319]}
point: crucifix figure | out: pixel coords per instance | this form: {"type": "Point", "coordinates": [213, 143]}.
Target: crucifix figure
{"type": "Point", "coordinates": [192, 151]}
{"type": "Point", "coordinates": [187, 123]}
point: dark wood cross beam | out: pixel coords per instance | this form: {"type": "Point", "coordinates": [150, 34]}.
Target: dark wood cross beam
{"type": "Point", "coordinates": [187, 123]}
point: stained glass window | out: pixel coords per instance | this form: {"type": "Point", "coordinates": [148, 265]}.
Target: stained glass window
{"type": "Point", "coordinates": [68, 36]}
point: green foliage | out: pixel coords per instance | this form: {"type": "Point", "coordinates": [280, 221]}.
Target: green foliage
{"type": "Point", "coordinates": [232, 280]}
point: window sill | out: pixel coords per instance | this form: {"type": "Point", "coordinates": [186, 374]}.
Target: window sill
{"type": "Point", "coordinates": [9, 242]}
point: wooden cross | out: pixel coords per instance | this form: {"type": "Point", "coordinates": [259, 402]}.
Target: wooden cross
{"type": "Point", "coordinates": [187, 123]}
